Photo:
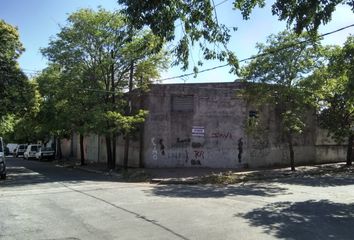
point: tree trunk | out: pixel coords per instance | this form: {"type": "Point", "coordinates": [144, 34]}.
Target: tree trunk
{"type": "Point", "coordinates": [82, 152]}
{"type": "Point", "coordinates": [141, 129]}
{"type": "Point", "coordinates": [129, 111]}
{"type": "Point", "coordinates": [59, 153]}
{"type": "Point", "coordinates": [291, 152]}
{"type": "Point", "coordinates": [141, 146]}
{"type": "Point", "coordinates": [109, 151]}
{"type": "Point", "coordinates": [114, 142]}
{"type": "Point", "coordinates": [350, 150]}
{"type": "Point", "coordinates": [72, 145]}
{"type": "Point", "coordinates": [113, 160]}
{"type": "Point", "coordinates": [126, 151]}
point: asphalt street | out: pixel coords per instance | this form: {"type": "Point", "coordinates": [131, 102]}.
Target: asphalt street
{"type": "Point", "coordinates": [40, 200]}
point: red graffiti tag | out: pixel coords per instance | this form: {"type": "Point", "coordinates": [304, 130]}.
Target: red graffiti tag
{"type": "Point", "coordinates": [199, 154]}
{"type": "Point", "coordinates": [221, 135]}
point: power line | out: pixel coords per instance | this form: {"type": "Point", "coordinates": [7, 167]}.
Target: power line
{"type": "Point", "coordinates": [32, 71]}
{"type": "Point", "coordinates": [214, 7]}
{"type": "Point", "coordinates": [256, 56]}
{"type": "Point", "coordinates": [220, 3]}
{"type": "Point", "coordinates": [245, 59]}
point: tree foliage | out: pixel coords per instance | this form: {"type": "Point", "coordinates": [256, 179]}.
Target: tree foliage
{"type": "Point", "coordinates": [301, 14]}
{"type": "Point", "coordinates": [16, 93]}
{"type": "Point", "coordinates": [18, 96]}
{"type": "Point", "coordinates": [10, 45]}
{"type": "Point", "coordinates": [333, 87]}
{"type": "Point", "coordinates": [97, 52]}
{"type": "Point", "coordinates": [53, 117]}
{"type": "Point", "coordinates": [125, 124]}
{"type": "Point", "coordinates": [283, 62]}
{"type": "Point", "coordinates": [198, 19]}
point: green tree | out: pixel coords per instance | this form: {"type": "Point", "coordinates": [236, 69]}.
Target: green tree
{"type": "Point", "coordinates": [333, 87]}
{"type": "Point", "coordinates": [53, 117]}
{"type": "Point", "coordinates": [278, 71]}
{"type": "Point", "coordinates": [307, 14]}
{"type": "Point", "coordinates": [199, 20]}
{"type": "Point", "coordinates": [26, 128]}
{"type": "Point", "coordinates": [16, 93]}
{"type": "Point", "coordinates": [99, 54]}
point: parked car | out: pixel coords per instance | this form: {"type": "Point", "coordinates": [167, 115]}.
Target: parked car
{"type": "Point", "coordinates": [11, 147]}
{"type": "Point", "coordinates": [21, 148]}
{"type": "Point", "coordinates": [45, 153]}
{"type": "Point", "coordinates": [2, 160]}
{"type": "Point", "coordinates": [31, 151]}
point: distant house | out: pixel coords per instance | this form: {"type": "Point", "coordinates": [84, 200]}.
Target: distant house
{"type": "Point", "coordinates": [205, 125]}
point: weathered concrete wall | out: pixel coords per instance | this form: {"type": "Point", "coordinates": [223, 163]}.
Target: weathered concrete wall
{"type": "Point", "coordinates": [170, 141]}
{"type": "Point", "coordinates": [204, 125]}
{"type": "Point", "coordinates": [95, 149]}
{"type": "Point", "coordinates": [327, 149]}
{"type": "Point", "coordinates": [207, 136]}
{"type": "Point", "coordinates": [133, 159]}
{"type": "Point", "coordinates": [65, 147]}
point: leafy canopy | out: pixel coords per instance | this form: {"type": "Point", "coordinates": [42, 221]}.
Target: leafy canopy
{"type": "Point", "coordinates": [18, 96]}
{"type": "Point", "coordinates": [333, 87]}
{"type": "Point", "coordinates": [283, 62]}
{"type": "Point", "coordinates": [199, 21]}
{"type": "Point", "coordinates": [96, 53]}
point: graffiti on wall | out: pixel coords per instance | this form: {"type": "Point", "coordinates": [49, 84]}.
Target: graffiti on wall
{"type": "Point", "coordinates": [162, 147]}
{"type": "Point", "coordinates": [221, 135]}
{"type": "Point", "coordinates": [240, 149]}
{"type": "Point", "coordinates": [182, 142]}
{"type": "Point", "coordinates": [178, 155]}
{"type": "Point", "coordinates": [154, 149]}
{"type": "Point", "coordinates": [198, 156]}
{"type": "Point", "coordinates": [197, 145]}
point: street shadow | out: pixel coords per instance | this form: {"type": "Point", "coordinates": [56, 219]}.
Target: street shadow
{"type": "Point", "coordinates": [217, 191]}
{"type": "Point", "coordinates": [21, 172]}
{"type": "Point", "coordinates": [321, 179]}
{"type": "Point", "coordinates": [328, 180]}
{"type": "Point", "coordinates": [304, 220]}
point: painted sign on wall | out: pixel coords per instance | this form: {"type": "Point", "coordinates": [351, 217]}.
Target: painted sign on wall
{"type": "Point", "coordinates": [198, 131]}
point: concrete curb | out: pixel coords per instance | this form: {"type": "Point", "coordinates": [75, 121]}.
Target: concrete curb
{"type": "Point", "coordinates": [257, 175]}
{"type": "Point", "coordinates": [163, 181]}
{"type": "Point", "coordinates": [243, 177]}
{"type": "Point", "coordinates": [107, 173]}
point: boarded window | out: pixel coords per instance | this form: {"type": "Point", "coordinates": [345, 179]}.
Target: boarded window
{"type": "Point", "coordinates": [184, 103]}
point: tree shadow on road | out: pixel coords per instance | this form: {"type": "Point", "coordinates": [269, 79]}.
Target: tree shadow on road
{"type": "Point", "coordinates": [217, 191]}
{"type": "Point", "coordinates": [31, 173]}
{"type": "Point", "coordinates": [304, 220]}
{"type": "Point", "coordinates": [327, 180]}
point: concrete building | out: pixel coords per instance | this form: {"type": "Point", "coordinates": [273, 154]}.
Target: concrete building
{"type": "Point", "coordinates": [207, 125]}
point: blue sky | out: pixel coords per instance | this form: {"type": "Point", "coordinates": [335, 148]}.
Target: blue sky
{"type": "Point", "coordinates": [39, 20]}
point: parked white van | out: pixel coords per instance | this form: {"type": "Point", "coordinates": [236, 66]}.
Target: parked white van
{"type": "Point", "coordinates": [31, 151]}
{"type": "Point", "coordinates": [11, 147]}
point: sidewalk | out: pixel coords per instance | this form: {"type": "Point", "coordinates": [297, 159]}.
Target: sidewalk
{"type": "Point", "coordinates": [207, 175]}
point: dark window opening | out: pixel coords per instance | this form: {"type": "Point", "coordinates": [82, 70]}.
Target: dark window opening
{"type": "Point", "coordinates": [253, 114]}
{"type": "Point", "coordinates": [184, 103]}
